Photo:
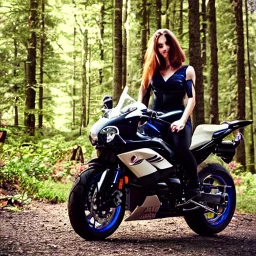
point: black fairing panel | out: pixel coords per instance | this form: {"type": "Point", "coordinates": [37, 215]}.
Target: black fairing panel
{"type": "Point", "coordinates": [128, 127]}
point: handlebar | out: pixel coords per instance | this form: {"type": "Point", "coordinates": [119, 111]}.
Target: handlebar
{"type": "Point", "coordinates": [153, 115]}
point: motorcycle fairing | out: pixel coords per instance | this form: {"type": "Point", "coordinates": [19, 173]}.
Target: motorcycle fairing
{"type": "Point", "coordinates": [147, 210]}
{"type": "Point", "coordinates": [204, 133]}
{"type": "Point", "coordinates": [143, 162]}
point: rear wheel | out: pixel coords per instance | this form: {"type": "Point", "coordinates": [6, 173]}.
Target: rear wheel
{"type": "Point", "coordinates": [204, 222]}
{"type": "Point", "coordinates": [94, 216]}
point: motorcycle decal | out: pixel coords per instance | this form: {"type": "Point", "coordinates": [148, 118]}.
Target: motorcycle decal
{"type": "Point", "coordinates": [137, 162]}
{"type": "Point", "coordinates": [144, 161]}
{"type": "Point", "coordinates": [155, 159]}
{"type": "Point", "coordinates": [151, 158]}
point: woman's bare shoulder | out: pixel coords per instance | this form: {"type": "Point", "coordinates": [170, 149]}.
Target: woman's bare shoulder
{"type": "Point", "coordinates": [190, 73]}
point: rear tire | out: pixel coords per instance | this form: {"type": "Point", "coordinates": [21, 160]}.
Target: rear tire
{"type": "Point", "coordinates": [85, 218]}
{"type": "Point", "coordinates": [206, 223]}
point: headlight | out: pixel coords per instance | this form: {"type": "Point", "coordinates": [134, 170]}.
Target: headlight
{"type": "Point", "coordinates": [109, 132]}
{"type": "Point", "coordinates": [93, 138]}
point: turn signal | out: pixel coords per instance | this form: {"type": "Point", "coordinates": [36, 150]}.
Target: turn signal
{"type": "Point", "coordinates": [126, 180]}
{"type": "Point", "coordinates": [121, 184]}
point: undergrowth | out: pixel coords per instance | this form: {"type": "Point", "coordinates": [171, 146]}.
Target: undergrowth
{"type": "Point", "coordinates": [245, 188]}
{"type": "Point", "coordinates": [41, 169]}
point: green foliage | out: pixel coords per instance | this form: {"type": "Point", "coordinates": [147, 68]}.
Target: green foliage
{"type": "Point", "coordinates": [245, 186]}
{"type": "Point", "coordinates": [42, 168]}
{"type": "Point", "coordinates": [246, 203]}
{"type": "Point", "coordinates": [55, 192]}
{"type": "Point", "coordinates": [245, 181]}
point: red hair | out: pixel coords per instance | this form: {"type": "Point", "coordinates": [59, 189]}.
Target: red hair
{"type": "Point", "coordinates": [153, 60]}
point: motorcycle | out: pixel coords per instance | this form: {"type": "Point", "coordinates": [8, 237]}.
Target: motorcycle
{"type": "Point", "coordinates": [137, 175]}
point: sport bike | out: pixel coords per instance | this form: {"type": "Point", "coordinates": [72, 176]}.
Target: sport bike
{"type": "Point", "coordinates": [136, 175]}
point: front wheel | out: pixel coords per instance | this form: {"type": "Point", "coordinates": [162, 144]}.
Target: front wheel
{"type": "Point", "coordinates": [204, 222]}
{"type": "Point", "coordinates": [92, 215]}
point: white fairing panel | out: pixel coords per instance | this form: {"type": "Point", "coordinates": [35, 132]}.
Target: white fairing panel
{"type": "Point", "coordinates": [143, 161]}
{"type": "Point", "coordinates": [204, 132]}
{"type": "Point", "coordinates": [147, 210]}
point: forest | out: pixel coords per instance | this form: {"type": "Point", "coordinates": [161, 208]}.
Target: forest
{"type": "Point", "coordinates": [59, 58]}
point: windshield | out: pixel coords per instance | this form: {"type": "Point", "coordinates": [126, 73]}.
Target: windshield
{"type": "Point", "coordinates": [125, 104]}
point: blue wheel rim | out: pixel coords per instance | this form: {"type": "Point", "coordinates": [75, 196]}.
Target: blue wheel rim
{"type": "Point", "coordinates": [218, 220]}
{"type": "Point", "coordinates": [91, 219]}
{"type": "Point", "coordinates": [110, 224]}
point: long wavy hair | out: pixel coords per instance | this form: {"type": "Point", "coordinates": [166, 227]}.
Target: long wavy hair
{"type": "Point", "coordinates": [153, 60]}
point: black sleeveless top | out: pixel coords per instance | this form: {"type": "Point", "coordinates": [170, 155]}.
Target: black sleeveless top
{"type": "Point", "coordinates": [169, 95]}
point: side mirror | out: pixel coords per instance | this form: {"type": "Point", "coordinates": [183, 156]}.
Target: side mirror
{"type": "Point", "coordinates": [107, 102]}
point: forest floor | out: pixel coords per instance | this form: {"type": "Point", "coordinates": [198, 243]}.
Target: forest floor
{"type": "Point", "coordinates": [44, 229]}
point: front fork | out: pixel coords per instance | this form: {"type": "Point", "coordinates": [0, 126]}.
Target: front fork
{"type": "Point", "coordinates": [110, 186]}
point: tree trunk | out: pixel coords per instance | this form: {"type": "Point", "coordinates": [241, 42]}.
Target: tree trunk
{"type": "Point", "coordinates": [173, 18]}
{"type": "Point", "coordinates": [204, 39]}
{"type": "Point", "coordinates": [196, 60]}
{"type": "Point", "coordinates": [158, 14]}
{"type": "Point", "coordinates": [29, 115]}
{"type": "Point", "coordinates": [84, 81]}
{"type": "Point", "coordinates": [124, 50]}
{"type": "Point", "coordinates": [148, 15]}
{"type": "Point", "coordinates": [74, 82]}
{"type": "Point", "coordinates": [144, 36]}
{"type": "Point", "coordinates": [167, 13]}
{"type": "Point", "coordinates": [204, 31]}
{"type": "Point", "coordinates": [214, 67]}
{"type": "Point", "coordinates": [89, 85]}
{"type": "Point", "coordinates": [16, 112]}
{"type": "Point", "coordinates": [181, 21]}
{"type": "Point", "coordinates": [240, 59]}
{"type": "Point", "coordinates": [237, 5]}
{"type": "Point", "coordinates": [251, 150]}
{"type": "Point", "coordinates": [41, 73]}
{"type": "Point", "coordinates": [101, 25]}
{"type": "Point", "coordinates": [117, 50]}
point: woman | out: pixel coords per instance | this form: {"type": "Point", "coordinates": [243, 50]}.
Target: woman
{"type": "Point", "coordinates": [170, 82]}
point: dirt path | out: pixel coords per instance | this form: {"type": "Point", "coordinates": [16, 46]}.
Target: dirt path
{"type": "Point", "coordinates": [44, 229]}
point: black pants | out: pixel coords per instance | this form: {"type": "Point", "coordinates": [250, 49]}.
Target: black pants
{"type": "Point", "coordinates": [181, 142]}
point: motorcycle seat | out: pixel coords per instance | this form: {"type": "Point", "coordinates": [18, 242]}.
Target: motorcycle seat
{"type": "Point", "coordinates": [204, 132]}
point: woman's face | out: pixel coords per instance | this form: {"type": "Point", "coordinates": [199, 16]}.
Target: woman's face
{"type": "Point", "coordinates": [163, 47]}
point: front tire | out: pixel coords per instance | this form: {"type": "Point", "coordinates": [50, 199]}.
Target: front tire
{"type": "Point", "coordinates": [88, 218]}
{"type": "Point", "coordinates": [204, 222]}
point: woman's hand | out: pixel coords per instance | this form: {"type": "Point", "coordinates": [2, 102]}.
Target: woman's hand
{"type": "Point", "coordinates": [177, 125]}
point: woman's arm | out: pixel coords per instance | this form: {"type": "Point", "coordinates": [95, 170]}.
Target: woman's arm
{"type": "Point", "coordinates": [144, 95]}
{"type": "Point", "coordinates": [191, 102]}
